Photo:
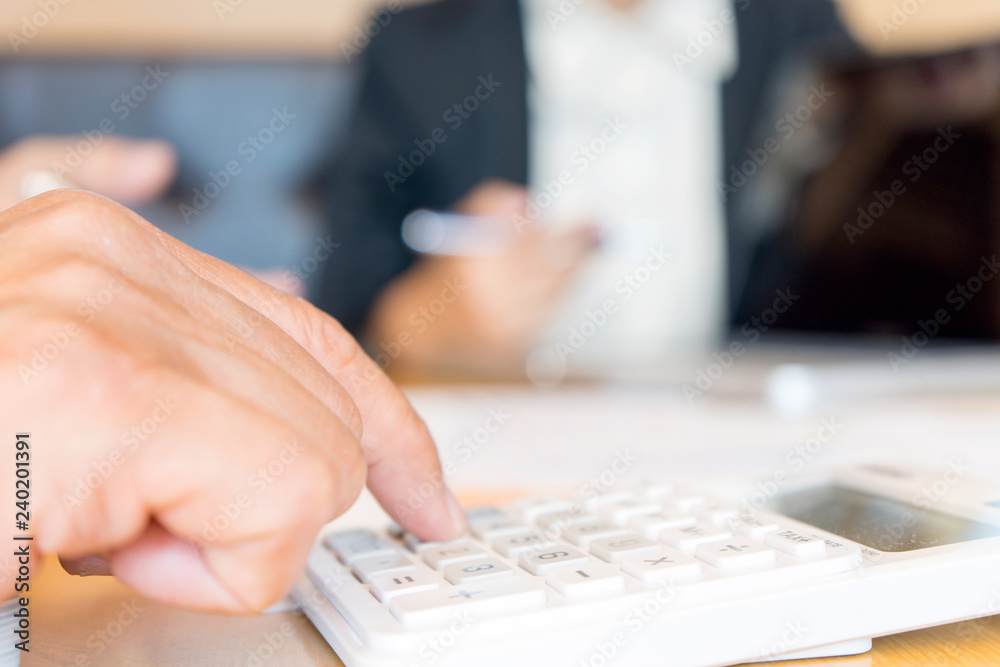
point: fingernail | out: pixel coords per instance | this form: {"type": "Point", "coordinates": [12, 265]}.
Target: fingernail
{"type": "Point", "coordinates": [457, 513]}
{"type": "Point", "coordinates": [88, 566]}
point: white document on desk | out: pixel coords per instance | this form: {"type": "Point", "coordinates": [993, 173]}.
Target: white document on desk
{"type": "Point", "coordinates": [498, 437]}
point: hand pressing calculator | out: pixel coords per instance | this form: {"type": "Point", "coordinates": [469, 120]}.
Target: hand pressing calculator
{"type": "Point", "coordinates": [668, 573]}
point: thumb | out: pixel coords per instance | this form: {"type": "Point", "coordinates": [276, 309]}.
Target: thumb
{"type": "Point", "coordinates": [131, 171]}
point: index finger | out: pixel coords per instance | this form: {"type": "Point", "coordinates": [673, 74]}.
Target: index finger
{"type": "Point", "coordinates": [404, 472]}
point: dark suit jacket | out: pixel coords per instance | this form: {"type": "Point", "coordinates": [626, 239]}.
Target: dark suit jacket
{"type": "Point", "coordinates": [431, 57]}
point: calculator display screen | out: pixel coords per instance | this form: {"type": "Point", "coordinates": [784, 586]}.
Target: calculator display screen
{"type": "Point", "coordinates": [878, 522]}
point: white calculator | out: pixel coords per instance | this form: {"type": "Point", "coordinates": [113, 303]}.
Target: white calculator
{"type": "Point", "coordinates": [668, 573]}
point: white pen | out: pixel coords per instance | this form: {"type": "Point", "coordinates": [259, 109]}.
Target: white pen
{"type": "Point", "coordinates": [457, 235]}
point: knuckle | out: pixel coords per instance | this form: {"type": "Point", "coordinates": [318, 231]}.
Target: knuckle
{"type": "Point", "coordinates": [316, 489]}
{"type": "Point", "coordinates": [323, 333]}
{"type": "Point", "coordinates": [83, 366]}
{"type": "Point", "coordinates": [72, 289]}
{"type": "Point", "coordinates": [73, 217]}
{"type": "Point", "coordinates": [74, 205]}
{"type": "Point", "coordinates": [78, 279]}
{"type": "Point", "coordinates": [318, 486]}
{"type": "Point", "coordinates": [335, 349]}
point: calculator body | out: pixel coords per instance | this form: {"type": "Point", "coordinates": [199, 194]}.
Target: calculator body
{"type": "Point", "coordinates": [669, 573]}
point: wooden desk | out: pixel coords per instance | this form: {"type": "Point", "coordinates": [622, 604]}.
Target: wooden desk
{"type": "Point", "coordinates": [80, 622]}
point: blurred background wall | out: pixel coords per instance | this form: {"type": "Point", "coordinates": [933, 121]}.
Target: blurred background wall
{"type": "Point", "coordinates": [317, 28]}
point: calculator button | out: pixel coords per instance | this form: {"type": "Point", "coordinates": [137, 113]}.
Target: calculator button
{"type": "Point", "coordinates": [689, 537]}
{"type": "Point", "coordinates": [613, 549]}
{"type": "Point", "coordinates": [532, 508]}
{"type": "Point", "coordinates": [654, 490]}
{"type": "Point", "coordinates": [540, 562]}
{"type": "Point", "coordinates": [513, 545]}
{"type": "Point", "coordinates": [735, 554]}
{"type": "Point", "coordinates": [836, 548]}
{"type": "Point", "coordinates": [484, 513]}
{"type": "Point", "coordinates": [456, 552]}
{"type": "Point", "coordinates": [498, 596]}
{"type": "Point", "coordinates": [491, 529]}
{"type": "Point", "coordinates": [475, 570]}
{"type": "Point", "coordinates": [417, 545]}
{"type": "Point", "coordinates": [717, 513]}
{"type": "Point", "coordinates": [584, 533]}
{"type": "Point", "coordinates": [662, 565]}
{"type": "Point", "coordinates": [796, 544]}
{"type": "Point", "coordinates": [559, 521]}
{"type": "Point", "coordinates": [334, 541]}
{"type": "Point", "coordinates": [684, 499]}
{"type": "Point", "coordinates": [653, 524]}
{"type": "Point", "coordinates": [595, 503]}
{"type": "Point", "coordinates": [387, 586]}
{"type": "Point", "coordinates": [366, 568]}
{"type": "Point", "coordinates": [364, 547]}
{"type": "Point", "coordinates": [587, 580]}
{"type": "Point", "coordinates": [620, 513]}
{"type": "Point", "coordinates": [753, 527]}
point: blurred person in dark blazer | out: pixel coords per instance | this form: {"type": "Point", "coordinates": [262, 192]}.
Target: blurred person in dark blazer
{"type": "Point", "coordinates": [544, 77]}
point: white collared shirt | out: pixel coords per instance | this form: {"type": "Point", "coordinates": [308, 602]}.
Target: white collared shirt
{"type": "Point", "coordinates": [628, 125]}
